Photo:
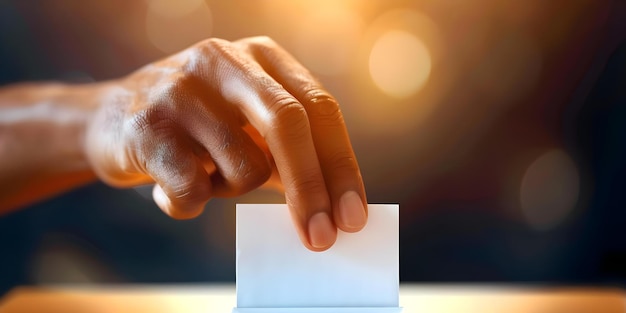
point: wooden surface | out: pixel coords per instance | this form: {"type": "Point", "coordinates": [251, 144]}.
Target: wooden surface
{"type": "Point", "coordinates": [221, 298]}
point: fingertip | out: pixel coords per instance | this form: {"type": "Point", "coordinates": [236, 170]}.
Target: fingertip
{"type": "Point", "coordinates": [352, 214]}
{"type": "Point", "coordinates": [322, 232]}
{"type": "Point", "coordinates": [176, 212]}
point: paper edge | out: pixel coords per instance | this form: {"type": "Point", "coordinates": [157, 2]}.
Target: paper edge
{"type": "Point", "coordinates": [396, 207]}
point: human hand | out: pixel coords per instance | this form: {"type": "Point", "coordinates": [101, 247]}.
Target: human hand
{"type": "Point", "coordinates": [216, 120]}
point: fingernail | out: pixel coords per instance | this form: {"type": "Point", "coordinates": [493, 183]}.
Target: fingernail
{"type": "Point", "coordinates": [351, 210]}
{"type": "Point", "coordinates": [322, 232]}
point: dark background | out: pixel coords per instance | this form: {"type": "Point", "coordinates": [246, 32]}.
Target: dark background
{"type": "Point", "coordinates": [508, 162]}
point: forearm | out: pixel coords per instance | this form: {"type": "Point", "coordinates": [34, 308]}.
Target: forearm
{"type": "Point", "coordinates": [42, 128]}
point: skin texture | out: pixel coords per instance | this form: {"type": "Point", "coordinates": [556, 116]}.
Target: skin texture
{"type": "Point", "coordinates": [216, 120]}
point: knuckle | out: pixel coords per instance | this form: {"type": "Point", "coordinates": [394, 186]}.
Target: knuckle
{"type": "Point", "coordinates": [152, 120]}
{"type": "Point", "coordinates": [308, 183]}
{"type": "Point", "coordinates": [189, 194]}
{"type": "Point", "coordinates": [287, 109]}
{"type": "Point", "coordinates": [262, 42]}
{"type": "Point", "coordinates": [172, 93]}
{"type": "Point", "coordinates": [140, 122]}
{"type": "Point", "coordinates": [203, 57]}
{"type": "Point", "coordinates": [167, 100]}
{"type": "Point", "coordinates": [291, 124]}
{"type": "Point", "coordinates": [224, 138]}
{"type": "Point", "coordinates": [323, 106]}
{"type": "Point", "coordinates": [262, 46]}
{"type": "Point", "coordinates": [141, 132]}
{"type": "Point", "coordinates": [209, 46]}
{"type": "Point", "coordinates": [181, 179]}
{"type": "Point", "coordinates": [288, 114]}
{"type": "Point", "coordinates": [250, 174]}
{"type": "Point", "coordinates": [343, 161]}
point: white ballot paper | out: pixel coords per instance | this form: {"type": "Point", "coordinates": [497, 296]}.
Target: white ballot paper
{"type": "Point", "coordinates": [275, 270]}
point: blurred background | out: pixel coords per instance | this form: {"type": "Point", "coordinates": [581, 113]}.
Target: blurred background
{"type": "Point", "coordinates": [498, 126]}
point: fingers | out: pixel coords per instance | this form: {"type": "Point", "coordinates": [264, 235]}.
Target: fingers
{"type": "Point", "coordinates": [284, 125]}
{"type": "Point", "coordinates": [195, 152]}
{"type": "Point", "coordinates": [274, 181]}
{"type": "Point", "coordinates": [240, 165]}
{"type": "Point", "coordinates": [183, 186]}
{"type": "Point", "coordinates": [211, 92]}
{"type": "Point", "coordinates": [332, 144]}
{"type": "Point", "coordinates": [282, 120]}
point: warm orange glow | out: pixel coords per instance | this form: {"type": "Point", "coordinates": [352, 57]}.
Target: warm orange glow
{"type": "Point", "coordinates": [399, 63]}
{"type": "Point", "coordinates": [174, 9]}
{"type": "Point", "coordinates": [221, 298]}
{"type": "Point", "coordinates": [174, 25]}
{"type": "Point", "coordinates": [397, 78]}
{"type": "Point", "coordinates": [326, 41]}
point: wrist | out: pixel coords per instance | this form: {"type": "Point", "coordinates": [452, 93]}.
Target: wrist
{"type": "Point", "coordinates": [72, 108]}
{"type": "Point", "coordinates": [42, 140]}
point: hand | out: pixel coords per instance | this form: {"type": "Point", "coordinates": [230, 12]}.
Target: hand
{"type": "Point", "coordinates": [216, 120]}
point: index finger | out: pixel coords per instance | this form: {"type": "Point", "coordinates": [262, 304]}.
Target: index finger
{"type": "Point", "coordinates": [330, 136]}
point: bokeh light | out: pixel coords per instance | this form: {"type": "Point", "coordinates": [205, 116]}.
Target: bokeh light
{"type": "Point", "coordinates": [64, 258]}
{"type": "Point", "coordinates": [398, 59]}
{"type": "Point", "coordinates": [326, 39]}
{"type": "Point", "coordinates": [399, 63]}
{"type": "Point", "coordinates": [549, 190]}
{"type": "Point", "coordinates": [174, 25]}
